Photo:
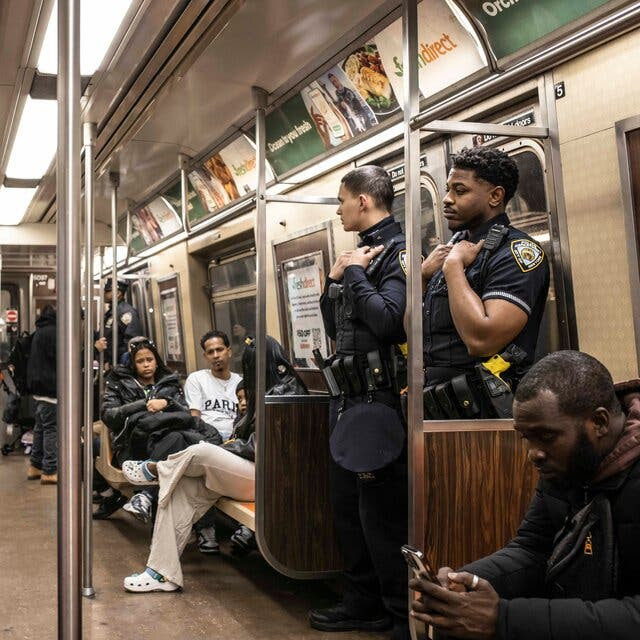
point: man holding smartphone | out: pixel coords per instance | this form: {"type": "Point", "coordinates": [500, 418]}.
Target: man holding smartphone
{"type": "Point", "coordinates": [573, 569]}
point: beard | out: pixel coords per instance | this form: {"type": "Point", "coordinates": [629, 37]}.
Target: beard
{"type": "Point", "coordinates": [584, 461]}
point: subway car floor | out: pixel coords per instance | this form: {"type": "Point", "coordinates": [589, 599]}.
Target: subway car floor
{"type": "Point", "coordinates": [224, 597]}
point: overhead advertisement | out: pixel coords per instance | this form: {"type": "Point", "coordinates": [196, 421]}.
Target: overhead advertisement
{"type": "Point", "coordinates": [447, 52]}
{"type": "Point", "coordinates": [150, 224]}
{"type": "Point", "coordinates": [224, 177]}
{"type": "Point", "coordinates": [512, 25]}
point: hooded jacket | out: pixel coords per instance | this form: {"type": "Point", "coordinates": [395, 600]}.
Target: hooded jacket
{"type": "Point", "coordinates": [41, 369]}
{"type": "Point", "coordinates": [527, 608]}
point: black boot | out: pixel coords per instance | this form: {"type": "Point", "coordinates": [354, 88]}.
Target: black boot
{"type": "Point", "coordinates": [243, 541]}
{"type": "Point", "coordinates": [109, 506]}
{"type": "Point", "coordinates": [341, 618]}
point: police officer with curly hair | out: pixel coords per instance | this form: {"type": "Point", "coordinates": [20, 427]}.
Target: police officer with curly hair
{"type": "Point", "coordinates": [362, 307]}
{"type": "Point", "coordinates": [484, 293]}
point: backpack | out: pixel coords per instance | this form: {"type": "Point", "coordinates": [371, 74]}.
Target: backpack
{"type": "Point", "coordinates": [19, 359]}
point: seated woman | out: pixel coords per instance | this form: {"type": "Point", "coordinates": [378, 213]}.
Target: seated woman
{"type": "Point", "coordinates": [145, 410]}
{"type": "Point", "coordinates": [192, 480]}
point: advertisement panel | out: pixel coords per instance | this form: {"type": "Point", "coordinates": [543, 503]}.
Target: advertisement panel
{"type": "Point", "coordinates": [240, 158]}
{"type": "Point", "coordinates": [447, 52]}
{"type": "Point", "coordinates": [513, 24]}
{"type": "Point", "coordinates": [304, 279]}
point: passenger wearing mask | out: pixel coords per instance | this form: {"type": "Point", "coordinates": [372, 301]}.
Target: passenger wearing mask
{"type": "Point", "coordinates": [484, 294]}
{"type": "Point", "coordinates": [145, 410]}
{"type": "Point", "coordinates": [128, 322]}
{"type": "Point", "coordinates": [572, 572]}
{"type": "Point", "coordinates": [41, 382]}
{"type": "Point", "coordinates": [191, 481]}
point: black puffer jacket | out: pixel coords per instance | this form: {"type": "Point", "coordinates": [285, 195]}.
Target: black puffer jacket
{"type": "Point", "coordinates": [518, 572]}
{"type": "Point", "coordinates": [41, 370]}
{"type": "Point", "coordinates": [125, 397]}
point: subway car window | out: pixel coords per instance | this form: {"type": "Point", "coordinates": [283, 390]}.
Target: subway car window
{"type": "Point", "coordinates": [527, 211]}
{"type": "Point", "coordinates": [234, 273]}
{"type": "Point", "coordinates": [427, 221]}
{"type": "Point", "coordinates": [232, 284]}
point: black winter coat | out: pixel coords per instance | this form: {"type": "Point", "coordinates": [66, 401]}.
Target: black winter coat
{"type": "Point", "coordinates": [41, 369]}
{"type": "Point", "coordinates": [125, 397]}
{"type": "Point", "coordinates": [517, 572]}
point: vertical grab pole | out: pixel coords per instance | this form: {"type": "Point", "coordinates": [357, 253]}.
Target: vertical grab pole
{"type": "Point", "coordinates": [101, 326]}
{"type": "Point", "coordinates": [183, 164]}
{"type": "Point", "coordinates": [68, 331]}
{"type": "Point", "coordinates": [260, 104]}
{"type": "Point", "coordinates": [115, 181]}
{"type": "Point", "coordinates": [414, 279]}
{"type": "Point", "coordinates": [89, 134]}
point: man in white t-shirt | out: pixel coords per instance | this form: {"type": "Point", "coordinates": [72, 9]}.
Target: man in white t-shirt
{"type": "Point", "coordinates": [211, 395]}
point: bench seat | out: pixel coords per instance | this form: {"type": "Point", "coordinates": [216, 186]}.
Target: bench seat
{"type": "Point", "coordinates": [243, 512]}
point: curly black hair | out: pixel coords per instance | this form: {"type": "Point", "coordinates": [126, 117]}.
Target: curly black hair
{"type": "Point", "coordinates": [492, 165]}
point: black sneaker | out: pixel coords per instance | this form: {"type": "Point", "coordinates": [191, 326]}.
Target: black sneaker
{"type": "Point", "coordinates": [207, 542]}
{"type": "Point", "coordinates": [340, 618]}
{"type": "Point", "coordinates": [109, 505]}
{"type": "Point", "coordinates": [243, 541]}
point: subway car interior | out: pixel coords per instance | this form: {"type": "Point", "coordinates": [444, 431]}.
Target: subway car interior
{"type": "Point", "coordinates": [189, 155]}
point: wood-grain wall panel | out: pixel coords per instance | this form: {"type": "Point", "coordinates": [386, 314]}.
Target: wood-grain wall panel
{"type": "Point", "coordinates": [298, 521]}
{"type": "Point", "coordinates": [477, 487]}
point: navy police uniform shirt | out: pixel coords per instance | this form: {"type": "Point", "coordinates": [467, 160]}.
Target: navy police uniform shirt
{"type": "Point", "coordinates": [128, 327]}
{"type": "Point", "coordinates": [370, 311]}
{"type": "Point", "coordinates": [517, 271]}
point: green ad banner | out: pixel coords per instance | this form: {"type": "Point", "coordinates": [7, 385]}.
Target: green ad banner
{"type": "Point", "coordinates": [195, 208]}
{"type": "Point", "coordinates": [292, 136]}
{"type": "Point", "coordinates": [512, 25]}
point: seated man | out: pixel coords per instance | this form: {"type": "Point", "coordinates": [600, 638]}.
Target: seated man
{"type": "Point", "coordinates": [573, 570]}
{"type": "Point", "coordinates": [211, 395]}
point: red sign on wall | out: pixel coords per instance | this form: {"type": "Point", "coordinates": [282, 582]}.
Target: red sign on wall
{"type": "Point", "coordinates": [12, 316]}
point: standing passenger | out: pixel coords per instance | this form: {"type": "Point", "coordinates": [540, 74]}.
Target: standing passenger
{"type": "Point", "coordinates": [41, 382]}
{"type": "Point", "coordinates": [485, 292]}
{"type": "Point", "coordinates": [362, 307]}
{"type": "Point", "coordinates": [128, 322]}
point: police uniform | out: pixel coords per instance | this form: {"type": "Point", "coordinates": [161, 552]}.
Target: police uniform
{"type": "Point", "coordinates": [516, 271]}
{"type": "Point", "coordinates": [370, 509]}
{"type": "Point", "coordinates": [128, 326]}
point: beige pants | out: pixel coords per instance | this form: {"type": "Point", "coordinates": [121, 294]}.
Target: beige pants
{"type": "Point", "coordinates": [190, 482]}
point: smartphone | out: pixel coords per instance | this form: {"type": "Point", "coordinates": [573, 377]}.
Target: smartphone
{"type": "Point", "coordinates": [418, 563]}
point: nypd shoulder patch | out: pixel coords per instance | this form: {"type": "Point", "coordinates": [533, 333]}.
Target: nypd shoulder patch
{"type": "Point", "coordinates": [528, 254]}
{"type": "Point", "coordinates": [126, 317]}
{"type": "Point", "coordinates": [402, 257]}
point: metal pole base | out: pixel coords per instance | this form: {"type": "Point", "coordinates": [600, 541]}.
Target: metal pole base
{"type": "Point", "coordinates": [88, 592]}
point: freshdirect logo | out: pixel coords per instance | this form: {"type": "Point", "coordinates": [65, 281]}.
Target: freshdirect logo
{"type": "Point", "coordinates": [497, 6]}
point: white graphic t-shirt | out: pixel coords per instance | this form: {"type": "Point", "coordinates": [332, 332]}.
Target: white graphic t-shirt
{"type": "Point", "coordinates": [214, 398]}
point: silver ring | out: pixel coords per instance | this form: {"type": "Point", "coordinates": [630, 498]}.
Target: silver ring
{"type": "Point", "coordinates": [474, 582]}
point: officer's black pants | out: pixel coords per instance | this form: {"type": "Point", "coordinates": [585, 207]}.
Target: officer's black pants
{"type": "Point", "coordinates": [371, 525]}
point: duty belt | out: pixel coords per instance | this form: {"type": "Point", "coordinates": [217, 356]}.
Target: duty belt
{"type": "Point", "coordinates": [468, 395]}
{"type": "Point", "coordinates": [360, 375]}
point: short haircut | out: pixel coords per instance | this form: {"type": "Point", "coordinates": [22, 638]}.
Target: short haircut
{"type": "Point", "coordinates": [579, 381]}
{"type": "Point", "coordinates": [372, 180]}
{"type": "Point", "coordinates": [215, 334]}
{"type": "Point", "coordinates": [489, 164]}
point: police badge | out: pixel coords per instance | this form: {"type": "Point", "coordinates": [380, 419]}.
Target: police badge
{"type": "Point", "coordinates": [527, 253]}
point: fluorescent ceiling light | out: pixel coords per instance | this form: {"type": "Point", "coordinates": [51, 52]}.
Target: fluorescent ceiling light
{"type": "Point", "coordinates": [36, 140]}
{"type": "Point", "coordinates": [13, 204]}
{"type": "Point", "coordinates": [99, 22]}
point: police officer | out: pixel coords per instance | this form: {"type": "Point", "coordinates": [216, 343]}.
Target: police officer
{"type": "Point", "coordinates": [128, 322]}
{"type": "Point", "coordinates": [485, 291]}
{"type": "Point", "coordinates": [362, 306]}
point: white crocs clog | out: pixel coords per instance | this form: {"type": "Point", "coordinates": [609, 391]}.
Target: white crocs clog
{"type": "Point", "coordinates": [146, 583]}
{"type": "Point", "coordinates": [133, 472]}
